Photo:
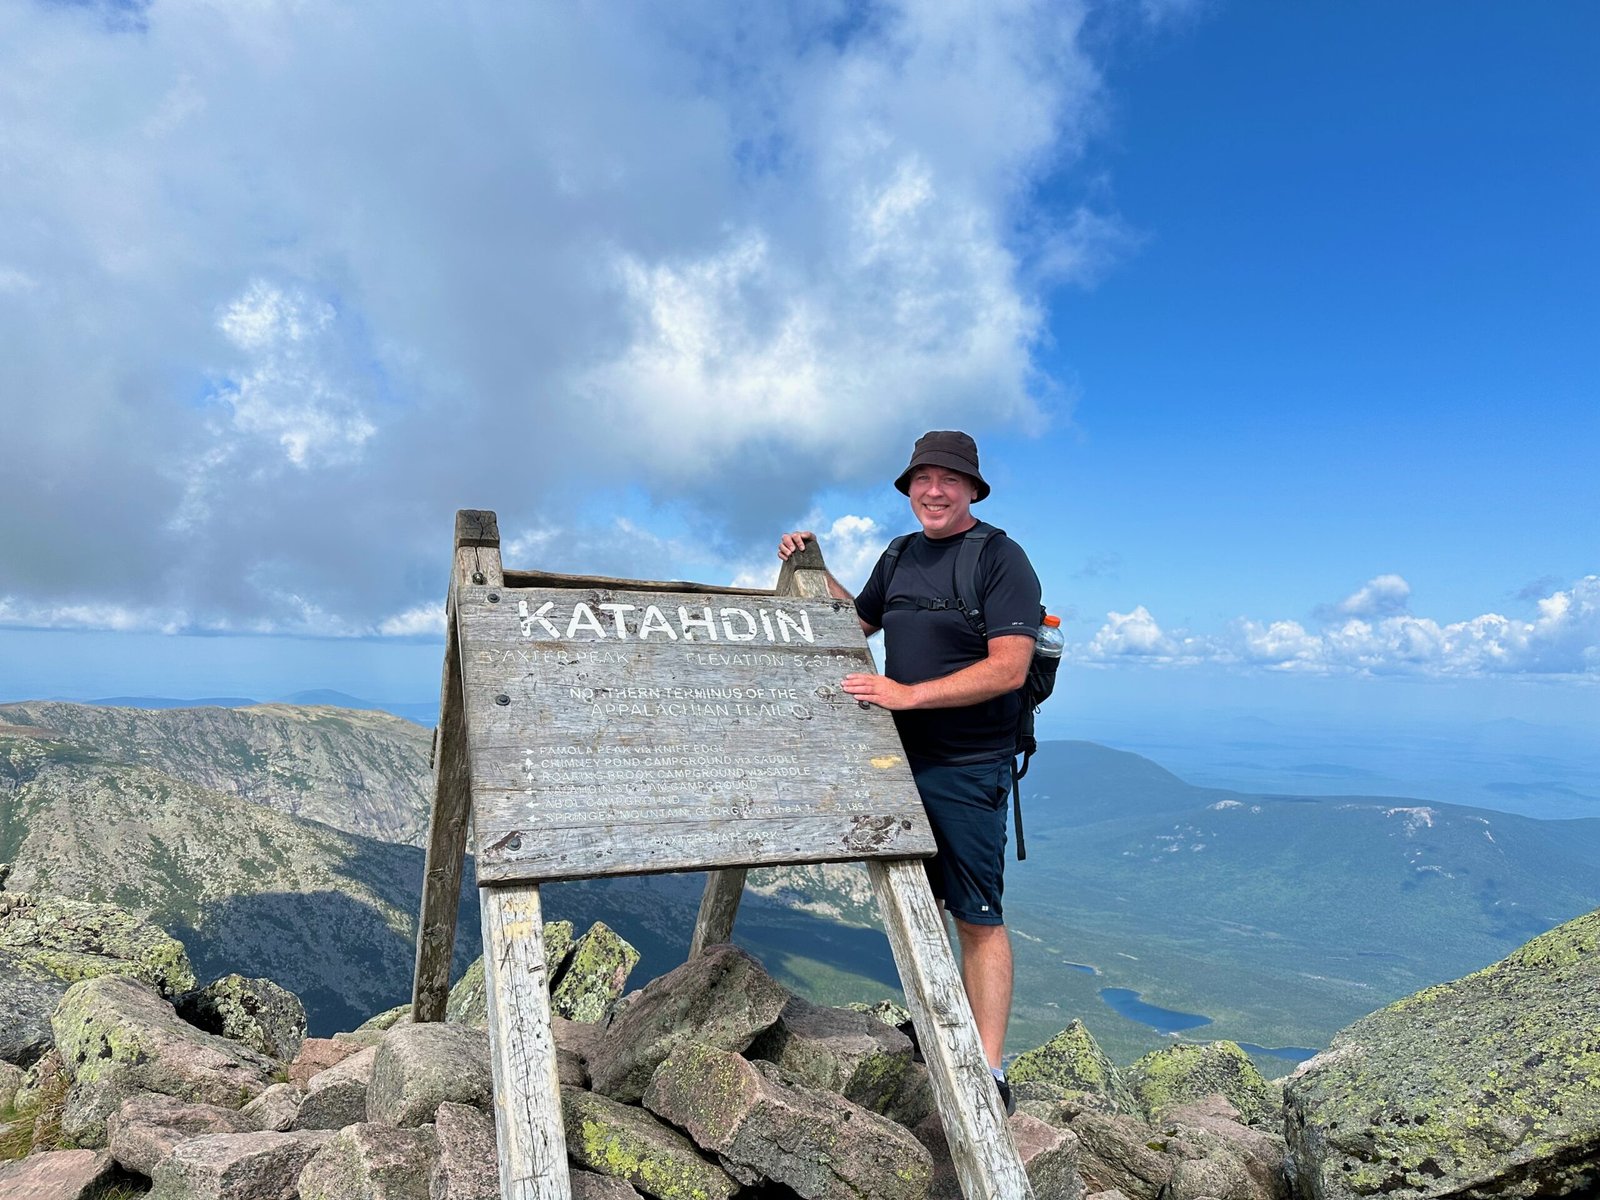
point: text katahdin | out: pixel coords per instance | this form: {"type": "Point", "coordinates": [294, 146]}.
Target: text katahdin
{"type": "Point", "coordinates": [625, 621]}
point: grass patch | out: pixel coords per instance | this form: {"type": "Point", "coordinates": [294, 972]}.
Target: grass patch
{"type": "Point", "coordinates": [16, 1133]}
{"type": "Point", "coordinates": [46, 1133]}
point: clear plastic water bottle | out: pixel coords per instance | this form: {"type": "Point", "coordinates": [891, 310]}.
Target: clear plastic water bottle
{"type": "Point", "coordinates": [1051, 640]}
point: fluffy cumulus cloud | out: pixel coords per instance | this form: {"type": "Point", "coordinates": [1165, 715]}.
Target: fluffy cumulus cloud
{"type": "Point", "coordinates": [1383, 596]}
{"type": "Point", "coordinates": [1370, 633]}
{"type": "Point", "coordinates": [850, 547]}
{"type": "Point", "coordinates": [1133, 634]}
{"type": "Point", "coordinates": [284, 285]}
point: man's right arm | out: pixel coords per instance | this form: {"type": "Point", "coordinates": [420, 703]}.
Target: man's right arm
{"type": "Point", "coordinates": [791, 543]}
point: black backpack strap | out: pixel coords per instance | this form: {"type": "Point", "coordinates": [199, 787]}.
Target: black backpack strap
{"type": "Point", "coordinates": [892, 556]}
{"type": "Point", "coordinates": [1016, 804]}
{"type": "Point", "coordinates": [968, 596]}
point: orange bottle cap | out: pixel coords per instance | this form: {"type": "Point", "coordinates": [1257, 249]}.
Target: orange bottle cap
{"type": "Point", "coordinates": [1053, 621]}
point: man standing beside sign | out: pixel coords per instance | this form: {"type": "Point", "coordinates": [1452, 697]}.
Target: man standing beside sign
{"type": "Point", "coordinates": [954, 694]}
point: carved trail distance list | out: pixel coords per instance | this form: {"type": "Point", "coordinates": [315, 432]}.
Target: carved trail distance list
{"type": "Point", "coordinates": [626, 708]}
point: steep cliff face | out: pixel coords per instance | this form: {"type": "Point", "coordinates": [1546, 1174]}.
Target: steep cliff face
{"type": "Point", "coordinates": [363, 772]}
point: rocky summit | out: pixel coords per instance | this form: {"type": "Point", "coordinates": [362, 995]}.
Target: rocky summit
{"type": "Point", "coordinates": [712, 1081]}
{"type": "Point", "coordinates": [1485, 1087]}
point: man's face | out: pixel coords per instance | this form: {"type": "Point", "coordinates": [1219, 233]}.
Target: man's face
{"type": "Point", "coordinates": [941, 499]}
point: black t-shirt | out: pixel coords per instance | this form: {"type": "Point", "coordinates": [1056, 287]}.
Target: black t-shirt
{"type": "Point", "coordinates": [927, 644]}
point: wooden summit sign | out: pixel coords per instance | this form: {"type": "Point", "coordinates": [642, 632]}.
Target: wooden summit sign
{"type": "Point", "coordinates": [593, 726]}
{"type": "Point", "coordinates": [623, 732]}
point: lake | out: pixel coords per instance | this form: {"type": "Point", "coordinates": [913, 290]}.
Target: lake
{"type": "Point", "coordinates": [1292, 1053]}
{"type": "Point", "coordinates": [1126, 1002]}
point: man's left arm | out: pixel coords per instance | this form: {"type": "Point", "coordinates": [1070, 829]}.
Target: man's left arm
{"type": "Point", "coordinates": [1001, 672]}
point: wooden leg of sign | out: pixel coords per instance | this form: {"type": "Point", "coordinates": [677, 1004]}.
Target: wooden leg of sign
{"type": "Point", "coordinates": [447, 844]}
{"type": "Point", "coordinates": [718, 908]}
{"type": "Point", "coordinates": [527, 1095]}
{"type": "Point", "coordinates": [981, 1148]}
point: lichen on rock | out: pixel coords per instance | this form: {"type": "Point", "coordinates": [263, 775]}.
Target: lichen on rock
{"type": "Point", "coordinates": [1176, 1075]}
{"type": "Point", "coordinates": [73, 940]}
{"type": "Point", "coordinates": [116, 1036]}
{"type": "Point", "coordinates": [1489, 1085]}
{"type": "Point", "coordinates": [1074, 1062]}
{"type": "Point", "coordinates": [267, 1018]}
{"type": "Point", "coordinates": [595, 977]}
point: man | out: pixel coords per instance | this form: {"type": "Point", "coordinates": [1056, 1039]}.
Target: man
{"type": "Point", "coordinates": [954, 695]}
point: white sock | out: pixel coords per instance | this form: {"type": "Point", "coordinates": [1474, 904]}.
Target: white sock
{"type": "Point", "coordinates": [998, 1074]}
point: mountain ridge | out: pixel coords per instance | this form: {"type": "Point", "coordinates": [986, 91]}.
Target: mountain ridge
{"type": "Point", "coordinates": [1294, 915]}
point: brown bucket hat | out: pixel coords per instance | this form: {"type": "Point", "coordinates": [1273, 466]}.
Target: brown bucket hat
{"type": "Point", "coordinates": [945, 448]}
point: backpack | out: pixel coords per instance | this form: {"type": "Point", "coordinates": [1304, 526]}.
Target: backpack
{"type": "Point", "coordinates": [1041, 680]}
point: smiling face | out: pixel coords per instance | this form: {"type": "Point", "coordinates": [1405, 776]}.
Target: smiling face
{"type": "Point", "coordinates": [941, 499]}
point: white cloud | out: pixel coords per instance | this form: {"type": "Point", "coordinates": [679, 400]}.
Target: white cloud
{"type": "Point", "coordinates": [1562, 639]}
{"type": "Point", "coordinates": [424, 620]}
{"type": "Point", "coordinates": [850, 546]}
{"type": "Point", "coordinates": [1383, 596]}
{"type": "Point", "coordinates": [300, 280]}
{"type": "Point", "coordinates": [288, 393]}
{"type": "Point", "coordinates": [116, 618]}
{"type": "Point", "coordinates": [1280, 644]}
{"type": "Point", "coordinates": [12, 280]}
{"type": "Point", "coordinates": [1132, 634]}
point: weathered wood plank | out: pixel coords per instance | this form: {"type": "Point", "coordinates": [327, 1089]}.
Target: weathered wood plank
{"type": "Point", "coordinates": [805, 561]}
{"type": "Point", "coordinates": [447, 844]}
{"type": "Point", "coordinates": [551, 579]}
{"type": "Point", "coordinates": [477, 550]}
{"type": "Point", "coordinates": [585, 851]}
{"type": "Point", "coordinates": [527, 1096]}
{"type": "Point", "coordinates": [476, 561]}
{"type": "Point", "coordinates": [813, 585]}
{"type": "Point", "coordinates": [547, 793]}
{"type": "Point", "coordinates": [595, 712]}
{"type": "Point", "coordinates": [728, 772]}
{"type": "Point", "coordinates": [477, 527]}
{"type": "Point", "coordinates": [719, 907]}
{"type": "Point", "coordinates": [981, 1148]}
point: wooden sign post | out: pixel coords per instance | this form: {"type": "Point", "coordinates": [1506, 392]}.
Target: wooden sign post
{"type": "Point", "coordinates": [592, 726]}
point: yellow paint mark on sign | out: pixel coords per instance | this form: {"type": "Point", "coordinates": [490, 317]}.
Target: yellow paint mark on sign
{"type": "Point", "coordinates": [886, 761]}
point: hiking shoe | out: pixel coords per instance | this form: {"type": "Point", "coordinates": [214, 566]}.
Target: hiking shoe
{"type": "Point", "coordinates": [1007, 1100]}
{"type": "Point", "coordinates": [910, 1031]}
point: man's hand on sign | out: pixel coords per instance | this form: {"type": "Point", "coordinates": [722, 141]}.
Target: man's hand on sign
{"type": "Point", "coordinates": [789, 543]}
{"type": "Point", "coordinates": [1001, 672]}
{"type": "Point", "coordinates": [792, 543]}
{"type": "Point", "coordinates": [879, 690]}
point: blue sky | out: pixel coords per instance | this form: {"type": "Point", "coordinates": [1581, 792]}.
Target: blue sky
{"type": "Point", "coordinates": [1276, 324]}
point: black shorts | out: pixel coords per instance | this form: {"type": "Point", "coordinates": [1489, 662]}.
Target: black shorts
{"type": "Point", "coordinates": [966, 805]}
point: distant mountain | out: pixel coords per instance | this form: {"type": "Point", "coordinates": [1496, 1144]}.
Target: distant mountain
{"type": "Point", "coordinates": [328, 914]}
{"type": "Point", "coordinates": [1472, 880]}
{"type": "Point", "coordinates": [363, 772]}
{"type": "Point", "coordinates": [423, 712]}
{"type": "Point", "coordinates": [168, 702]}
